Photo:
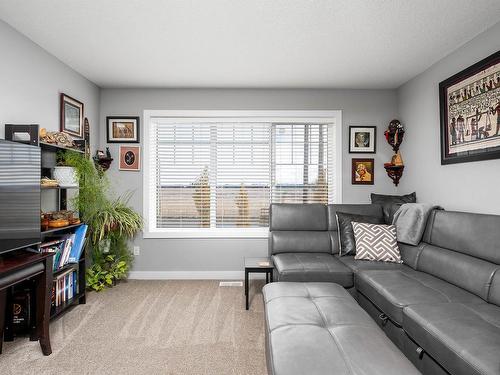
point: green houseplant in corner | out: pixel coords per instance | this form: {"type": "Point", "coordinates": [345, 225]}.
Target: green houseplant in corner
{"type": "Point", "coordinates": [111, 223]}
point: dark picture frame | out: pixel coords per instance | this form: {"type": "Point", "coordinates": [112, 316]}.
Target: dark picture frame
{"type": "Point", "coordinates": [27, 134]}
{"type": "Point", "coordinates": [360, 178]}
{"type": "Point", "coordinates": [469, 103]}
{"type": "Point", "coordinates": [71, 116]}
{"type": "Point", "coordinates": [122, 129]}
{"type": "Point", "coordinates": [362, 139]}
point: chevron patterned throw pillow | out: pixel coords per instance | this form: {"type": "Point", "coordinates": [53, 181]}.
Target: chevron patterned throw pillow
{"type": "Point", "coordinates": [376, 242]}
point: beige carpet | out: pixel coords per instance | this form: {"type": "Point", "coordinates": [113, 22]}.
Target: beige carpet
{"type": "Point", "coordinates": [151, 327]}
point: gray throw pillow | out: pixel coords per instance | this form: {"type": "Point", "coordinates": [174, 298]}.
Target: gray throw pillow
{"type": "Point", "coordinates": [391, 203]}
{"type": "Point", "coordinates": [376, 242]}
{"type": "Point", "coordinates": [347, 243]}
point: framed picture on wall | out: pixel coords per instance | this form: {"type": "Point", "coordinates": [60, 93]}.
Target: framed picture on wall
{"type": "Point", "coordinates": [363, 171]}
{"type": "Point", "coordinates": [123, 129]}
{"type": "Point", "coordinates": [71, 116]}
{"type": "Point", "coordinates": [470, 113]}
{"type": "Point", "coordinates": [130, 158]}
{"type": "Point", "coordinates": [362, 139]}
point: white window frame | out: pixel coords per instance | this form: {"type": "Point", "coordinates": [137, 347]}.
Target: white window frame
{"type": "Point", "coordinates": [333, 118]}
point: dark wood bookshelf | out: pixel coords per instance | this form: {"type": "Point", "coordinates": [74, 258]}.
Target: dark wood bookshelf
{"type": "Point", "coordinates": [80, 267]}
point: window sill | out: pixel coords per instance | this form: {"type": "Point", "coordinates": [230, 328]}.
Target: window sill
{"type": "Point", "coordinates": [208, 233]}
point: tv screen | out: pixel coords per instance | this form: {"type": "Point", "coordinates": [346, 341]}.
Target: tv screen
{"type": "Point", "coordinates": [19, 195]}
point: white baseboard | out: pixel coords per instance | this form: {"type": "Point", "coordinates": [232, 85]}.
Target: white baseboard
{"type": "Point", "coordinates": [190, 275]}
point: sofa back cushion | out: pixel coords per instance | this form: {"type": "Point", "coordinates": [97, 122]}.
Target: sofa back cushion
{"type": "Point", "coordinates": [477, 235]}
{"type": "Point", "coordinates": [464, 271]}
{"type": "Point", "coordinates": [303, 217]}
{"type": "Point", "coordinates": [299, 242]}
{"type": "Point", "coordinates": [298, 228]}
{"type": "Point", "coordinates": [463, 249]}
{"type": "Point", "coordinates": [373, 210]}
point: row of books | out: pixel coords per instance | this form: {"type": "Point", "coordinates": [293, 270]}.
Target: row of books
{"type": "Point", "coordinates": [67, 248]}
{"type": "Point", "coordinates": [64, 287]}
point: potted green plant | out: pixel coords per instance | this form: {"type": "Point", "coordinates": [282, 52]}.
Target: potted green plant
{"type": "Point", "coordinates": [112, 222]}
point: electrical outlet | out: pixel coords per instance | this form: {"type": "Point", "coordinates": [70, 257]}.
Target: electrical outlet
{"type": "Point", "coordinates": [137, 250]}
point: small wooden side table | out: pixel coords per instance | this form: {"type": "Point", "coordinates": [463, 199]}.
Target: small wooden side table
{"type": "Point", "coordinates": [21, 265]}
{"type": "Point", "coordinates": [257, 265]}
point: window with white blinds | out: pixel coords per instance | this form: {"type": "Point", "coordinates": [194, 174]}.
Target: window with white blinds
{"type": "Point", "coordinates": [221, 174]}
{"type": "Point", "coordinates": [242, 178]}
{"type": "Point", "coordinates": [300, 163]}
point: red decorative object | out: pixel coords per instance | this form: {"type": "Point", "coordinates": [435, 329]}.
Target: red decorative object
{"type": "Point", "coordinates": [394, 134]}
{"type": "Point", "coordinates": [395, 172]}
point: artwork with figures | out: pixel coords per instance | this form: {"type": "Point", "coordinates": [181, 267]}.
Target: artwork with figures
{"type": "Point", "coordinates": [363, 171]}
{"type": "Point", "coordinates": [470, 113]}
{"type": "Point", "coordinates": [122, 129]}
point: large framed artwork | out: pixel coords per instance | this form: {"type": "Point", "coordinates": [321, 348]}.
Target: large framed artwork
{"type": "Point", "coordinates": [71, 116]}
{"type": "Point", "coordinates": [470, 113]}
{"type": "Point", "coordinates": [123, 129]}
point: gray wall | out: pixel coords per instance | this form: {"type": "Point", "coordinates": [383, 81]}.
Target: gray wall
{"type": "Point", "coordinates": [466, 187]}
{"type": "Point", "coordinates": [360, 107]}
{"type": "Point", "coordinates": [31, 80]}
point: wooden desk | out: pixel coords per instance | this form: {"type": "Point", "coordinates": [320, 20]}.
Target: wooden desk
{"type": "Point", "coordinates": [18, 266]}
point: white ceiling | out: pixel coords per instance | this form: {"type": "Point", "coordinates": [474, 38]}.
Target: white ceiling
{"type": "Point", "coordinates": [250, 43]}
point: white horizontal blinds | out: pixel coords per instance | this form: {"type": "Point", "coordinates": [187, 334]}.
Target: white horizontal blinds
{"type": "Point", "coordinates": [183, 175]}
{"type": "Point", "coordinates": [243, 153]}
{"type": "Point", "coordinates": [224, 174]}
{"type": "Point", "coordinates": [300, 168]}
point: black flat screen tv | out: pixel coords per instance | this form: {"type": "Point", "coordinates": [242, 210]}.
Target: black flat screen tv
{"type": "Point", "coordinates": [19, 195]}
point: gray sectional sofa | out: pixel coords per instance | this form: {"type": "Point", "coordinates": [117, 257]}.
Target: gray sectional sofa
{"type": "Point", "coordinates": [441, 307]}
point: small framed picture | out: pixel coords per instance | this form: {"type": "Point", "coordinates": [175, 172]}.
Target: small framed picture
{"type": "Point", "coordinates": [362, 139]}
{"type": "Point", "coordinates": [124, 129]}
{"type": "Point", "coordinates": [363, 171]}
{"type": "Point", "coordinates": [71, 116]}
{"type": "Point", "coordinates": [130, 158]}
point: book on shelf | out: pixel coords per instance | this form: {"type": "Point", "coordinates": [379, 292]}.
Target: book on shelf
{"type": "Point", "coordinates": [64, 287]}
{"type": "Point", "coordinates": [67, 248]}
{"type": "Point", "coordinates": [78, 244]}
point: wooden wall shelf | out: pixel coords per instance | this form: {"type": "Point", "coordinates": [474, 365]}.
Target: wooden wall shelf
{"type": "Point", "coordinates": [54, 148]}
{"type": "Point", "coordinates": [395, 172]}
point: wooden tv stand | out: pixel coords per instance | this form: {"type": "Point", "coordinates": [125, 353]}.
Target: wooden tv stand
{"type": "Point", "coordinates": [18, 266]}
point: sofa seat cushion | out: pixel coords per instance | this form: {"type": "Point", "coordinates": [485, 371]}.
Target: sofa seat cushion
{"type": "Point", "coordinates": [312, 267]}
{"type": "Point", "coordinates": [318, 328]}
{"type": "Point", "coordinates": [464, 338]}
{"type": "Point", "coordinates": [392, 290]}
{"type": "Point", "coordinates": [359, 265]}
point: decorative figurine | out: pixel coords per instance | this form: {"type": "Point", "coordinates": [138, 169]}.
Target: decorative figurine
{"type": "Point", "coordinates": [394, 136]}
{"type": "Point", "coordinates": [103, 160]}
